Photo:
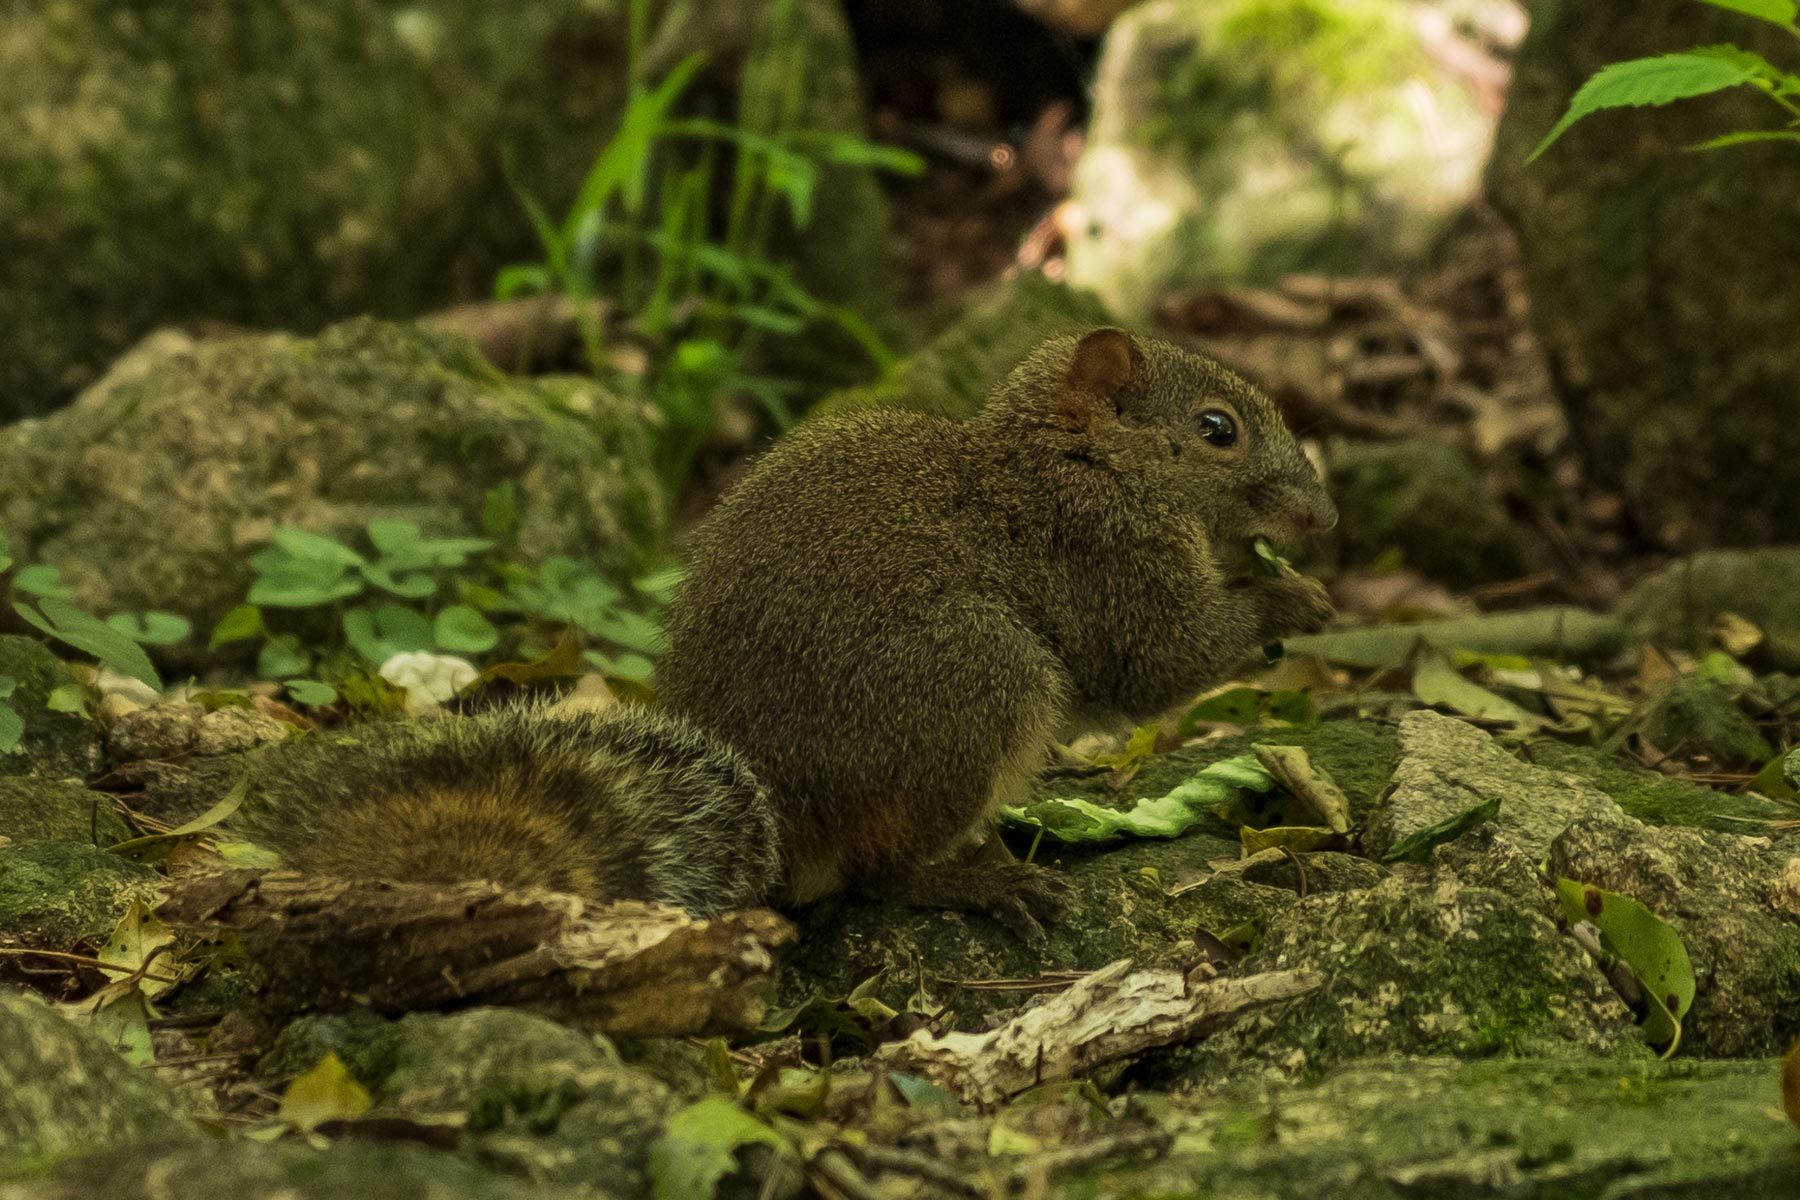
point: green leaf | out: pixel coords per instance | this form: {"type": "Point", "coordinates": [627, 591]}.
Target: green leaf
{"type": "Point", "coordinates": [1168, 815]}
{"type": "Point", "coordinates": [152, 628]}
{"type": "Point", "coordinates": [1648, 81]}
{"type": "Point", "coordinates": [500, 510]}
{"type": "Point", "coordinates": [5, 552]}
{"type": "Point", "coordinates": [523, 279]}
{"type": "Point", "coordinates": [620, 168]}
{"type": "Point", "coordinates": [12, 728]}
{"type": "Point", "coordinates": [8, 685]}
{"type": "Point", "coordinates": [312, 547]}
{"type": "Point", "coordinates": [328, 1092]}
{"type": "Point", "coordinates": [123, 1021]}
{"type": "Point", "coordinates": [69, 698]}
{"type": "Point", "coordinates": [1776, 12]}
{"type": "Point", "coordinates": [40, 580]}
{"type": "Point", "coordinates": [310, 692]}
{"type": "Point", "coordinates": [66, 623]}
{"type": "Point", "coordinates": [462, 630]}
{"type": "Point", "coordinates": [1649, 946]}
{"type": "Point", "coordinates": [240, 624]}
{"type": "Point", "coordinates": [698, 1148]}
{"type": "Point", "coordinates": [157, 846]}
{"type": "Point", "coordinates": [379, 634]}
{"type": "Point", "coordinates": [286, 582]}
{"type": "Point", "coordinates": [409, 587]}
{"type": "Point", "coordinates": [1727, 140]}
{"type": "Point", "coordinates": [1415, 847]}
{"type": "Point", "coordinates": [282, 656]}
{"type": "Point", "coordinates": [1437, 683]}
{"type": "Point", "coordinates": [630, 631]}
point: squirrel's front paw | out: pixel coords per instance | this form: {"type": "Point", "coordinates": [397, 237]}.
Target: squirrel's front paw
{"type": "Point", "coordinates": [1027, 897]}
{"type": "Point", "coordinates": [1294, 604]}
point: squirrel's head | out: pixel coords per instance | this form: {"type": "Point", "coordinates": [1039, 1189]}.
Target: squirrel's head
{"type": "Point", "coordinates": [1194, 434]}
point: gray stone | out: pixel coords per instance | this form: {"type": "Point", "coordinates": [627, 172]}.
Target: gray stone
{"type": "Point", "coordinates": [63, 1090]}
{"type": "Point", "coordinates": [293, 162]}
{"type": "Point", "coordinates": [47, 810]}
{"type": "Point", "coordinates": [1424, 498]}
{"type": "Point", "coordinates": [1506, 1130]}
{"type": "Point", "coordinates": [532, 1097]}
{"type": "Point", "coordinates": [1663, 323]}
{"type": "Point", "coordinates": [153, 490]}
{"type": "Point", "coordinates": [1238, 141]}
{"type": "Point", "coordinates": [1413, 967]}
{"type": "Point", "coordinates": [1448, 767]}
{"type": "Point", "coordinates": [390, 1170]}
{"type": "Point", "coordinates": [1676, 606]}
{"type": "Point", "coordinates": [65, 895]}
{"type": "Point", "coordinates": [1721, 893]}
{"type": "Point", "coordinates": [55, 744]}
{"type": "Point", "coordinates": [177, 729]}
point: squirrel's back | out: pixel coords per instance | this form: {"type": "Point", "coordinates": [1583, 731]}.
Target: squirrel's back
{"type": "Point", "coordinates": [622, 803]}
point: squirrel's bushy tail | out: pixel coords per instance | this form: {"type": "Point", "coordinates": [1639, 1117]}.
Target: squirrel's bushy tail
{"type": "Point", "coordinates": [618, 804]}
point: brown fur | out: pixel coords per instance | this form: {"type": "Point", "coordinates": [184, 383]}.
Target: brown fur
{"type": "Point", "coordinates": [893, 612]}
{"type": "Point", "coordinates": [621, 804]}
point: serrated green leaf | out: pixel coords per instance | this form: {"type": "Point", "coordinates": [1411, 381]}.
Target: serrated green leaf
{"type": "Point", "coordinates": [66, 623]}
{"type": "Point", "coordinates": [240, 624]}
{"type": "Point", "coordinates": [463, 630]}
{"type": "Point", "coordinates": [1416, 846]}
{"type": "Point", "coordinates": [328, 1092]}
{"type": "Point", "coordinates": [698, 1148]}
{"type": "Point", "coordinates": [1776, 12]}
{"type": "Point", "coordinates": [1651, 948]}
{"type": "Point", "coordinates": [282, 656]}
{"type": "Point", "coordinates": [1641, 82]}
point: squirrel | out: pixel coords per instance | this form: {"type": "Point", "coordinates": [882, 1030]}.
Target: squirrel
{"type": "Point", "coordinates": [884, 626]}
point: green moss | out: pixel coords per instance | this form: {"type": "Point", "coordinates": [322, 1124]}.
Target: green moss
{"type": "Point", "coordinates": [55, 744]}
{"type": "Point", "coordinates": [1653, 797]}
{"type": "Point", "coordinates": [60, 895]}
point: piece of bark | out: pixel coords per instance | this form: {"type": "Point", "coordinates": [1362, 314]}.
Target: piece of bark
{"type": "Point", "coordinates": [1112, 1014]}
{"type": "Point", "coordinates": [325, 944]}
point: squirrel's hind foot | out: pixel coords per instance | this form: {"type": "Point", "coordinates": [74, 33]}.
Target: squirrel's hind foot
{"type": "Point", "coordinates": [1023, 897]}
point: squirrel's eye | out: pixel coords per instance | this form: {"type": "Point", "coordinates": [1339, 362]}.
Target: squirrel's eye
{"type": "Point", "coordinates": [1217, 428]}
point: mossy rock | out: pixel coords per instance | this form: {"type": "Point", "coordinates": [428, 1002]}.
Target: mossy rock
{"type": "Point", "coordinates": [350, 1167]}
{"type": "Point", "coordinates": [63, 1090]}
{"type": "Point", "coordinates": [1676, 606]}
{"type": "Point", "coordinates": [60, 895]}
{"type": "Point", "coordinates": [1242, 140]}
{"type": "Point", "coordinates": [154, 489]}
{"type": "Point", "coordinates": [43, 810]}
{"type": "Point", "coordinates": [1508, 1129]}
{"type": "Point", "coordinates": [952, 373]}
{"type": "Point", "coordinates": [535, 1098]}
{"type": "Point", "coordinates": [1697, 717]}
{"type": "Point", "coordinates": [1661, 320]}
{"type": "Point", "coordinates": [1426, 500]}
{"type": "Point", "coordinates": [1656, 798]}
{"type": "Point", "coordinates": [293, 162]}
{"type": "Point", "coordinates": [55, 743]}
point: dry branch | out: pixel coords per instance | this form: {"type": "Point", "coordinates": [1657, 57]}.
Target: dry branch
{"type": "Point", "coordinates": [1112, 1014]}
{"type": "Point", "coordinates": [326, 944]}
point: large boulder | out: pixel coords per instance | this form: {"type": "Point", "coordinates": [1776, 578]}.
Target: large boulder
{"type": "Point", "coordinates": [153, 489]}
{"type": "Point", "coordinates": [1661, 281]}
{"type": "Point", "coordinates": [287, 163]}
{"type": "Point", "coordinates": [1239, 140]}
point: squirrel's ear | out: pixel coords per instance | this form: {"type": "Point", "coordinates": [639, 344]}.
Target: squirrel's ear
{"type": "Point", "coordinates": [1104, 362]}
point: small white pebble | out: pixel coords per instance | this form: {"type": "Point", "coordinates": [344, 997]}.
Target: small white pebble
{"type": "Point", "coordinates": [429, 679]}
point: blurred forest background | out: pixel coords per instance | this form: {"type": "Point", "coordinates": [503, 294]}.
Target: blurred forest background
{"type": "Point", "coordinates": [368, 356]}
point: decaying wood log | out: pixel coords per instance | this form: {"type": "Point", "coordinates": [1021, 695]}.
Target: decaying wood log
{"type": "Point", "coordinates": [325, 944]}
{"type": "Point", "coordinates": [1112, 1014]}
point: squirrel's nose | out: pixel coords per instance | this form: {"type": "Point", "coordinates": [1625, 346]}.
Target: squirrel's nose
{"type": "Point", "coordinates": [1317, 513]}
